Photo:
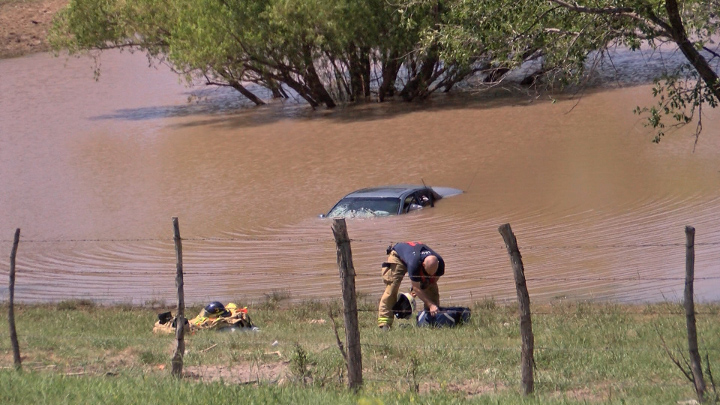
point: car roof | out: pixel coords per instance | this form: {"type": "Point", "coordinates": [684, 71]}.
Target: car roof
{"type": "Point", "coordinates": [386, 191]}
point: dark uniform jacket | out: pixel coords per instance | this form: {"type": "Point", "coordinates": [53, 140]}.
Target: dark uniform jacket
{"type": "Point", "coordinates": [412, 255]}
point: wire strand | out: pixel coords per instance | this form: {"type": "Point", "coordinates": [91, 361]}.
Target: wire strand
{"type": "Point", "coordinates": [374, 241]}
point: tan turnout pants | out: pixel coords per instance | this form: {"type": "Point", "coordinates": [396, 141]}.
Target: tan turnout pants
{"type": "Point", "coordinates": [393, 272]}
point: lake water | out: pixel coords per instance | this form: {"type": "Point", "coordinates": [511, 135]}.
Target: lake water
{"type": "Point", "coordinates": [93, 172]}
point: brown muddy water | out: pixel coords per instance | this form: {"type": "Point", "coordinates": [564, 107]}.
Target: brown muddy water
{"type": "Point", "coordinates": [93, 172]}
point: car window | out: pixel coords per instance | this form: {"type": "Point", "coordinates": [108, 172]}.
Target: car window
{"type": "Point", "coordinates": [365, 207]}
{"type": "Point", "coordinates": [424, 198]}
{"type": "Point", "coordinates": [408, 201]}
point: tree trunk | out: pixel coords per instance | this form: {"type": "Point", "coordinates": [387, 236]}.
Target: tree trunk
{"type": "Point", "coordinates": [359, 64]}
{"type": "Point", "coordinates": [276, 88]}
{"type": "Point", "coordinates": [686, 47]}
{"type": "Point", "coordinates": [282, 73]}
{"type": "Point", "coordinates": [245, 92]}
{"type": "Point", "coordinates": [277, 93]}
{"type": "Point", "coordinates": [313, 82]}
{"type": "Point", "coordinates": [301, 89]}
{"type": "Point", "coordinates": [419, 84]}
{"type": "Point", "coordinates": [390, 68]}
{"type": "Point", "coordinates": [495, 75]}
{"type": "Point", "coordinates": [338, 71]}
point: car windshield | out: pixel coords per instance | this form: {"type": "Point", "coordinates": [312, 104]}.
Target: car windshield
{"type": "Point", "coordinates": [365, 207]}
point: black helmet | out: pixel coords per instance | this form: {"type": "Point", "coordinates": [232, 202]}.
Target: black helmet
{"type": "Point", "coordinates": [404, 307]}
{"type": "Point", "coordinates": [165, 317]}
{"type": "Point", "coordinates": [216, 308]}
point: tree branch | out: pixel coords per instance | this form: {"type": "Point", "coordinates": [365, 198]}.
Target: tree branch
{"type": "Point", "coordinates": [711, 52]}
{"type": "Point", "coordinates": [652, 21]}
{"type": "Point", "coordinates": [672, 357]}
{"type": "Point", "coordinates": [337, 337]}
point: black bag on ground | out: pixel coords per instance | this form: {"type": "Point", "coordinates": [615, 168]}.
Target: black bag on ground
{"type": "Point", "coordinates": [446, 317]}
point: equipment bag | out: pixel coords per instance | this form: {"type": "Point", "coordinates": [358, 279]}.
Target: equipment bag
{"type": "Point", "coordinates": [446, 317]}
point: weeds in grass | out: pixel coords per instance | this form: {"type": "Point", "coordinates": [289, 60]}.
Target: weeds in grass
{"type": "Point", "coordinates": [72, 305]}
{"type": "Point", "coordinates": [411, 375]}
{"type": "Point", "coordinates": [274, 298]}
{"type": "Point", "coordinates": [156, 303]}
{"type": "Point", "coordinates": [300, 364]}
{"type": "Point", "coordinates": [487, 304]}
{"type": "Point", "coordinates": [713, 396]}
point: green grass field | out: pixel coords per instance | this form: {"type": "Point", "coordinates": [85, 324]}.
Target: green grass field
{"type": "Point", "coordinates": [76, 352]}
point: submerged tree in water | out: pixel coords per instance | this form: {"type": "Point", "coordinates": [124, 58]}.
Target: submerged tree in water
{"type": "Point", "coordinates": [324, 51]}
{"type": "Point", "coordinates": [571, 37]}
{"type": "Point", "coordinates": [689, 25]}
{"type": "Point", "coordinates": [334, 51]}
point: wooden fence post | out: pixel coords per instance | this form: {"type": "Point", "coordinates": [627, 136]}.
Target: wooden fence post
{"type": "Point", "coordinates": [11, 306]}
{"type": "Point", "coordinates": [352, 330]}
{"type": "Point", "coordinates": [689, 303]}
{"type": "Point", "coordinates": [528, 341]}
{"type": "Point", "coordinates": [177, 360]}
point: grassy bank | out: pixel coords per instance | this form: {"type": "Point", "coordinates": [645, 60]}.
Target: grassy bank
{"type": "Point", "coordinates": [76, 352]}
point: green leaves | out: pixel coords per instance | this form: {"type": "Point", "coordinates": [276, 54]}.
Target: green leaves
{"type": "Point", "coordinates": [327, 51]}
{"type": "Point", "coordinates": [566, 34]}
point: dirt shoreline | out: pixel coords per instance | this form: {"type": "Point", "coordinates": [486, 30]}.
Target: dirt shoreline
{"type": "Point", "coordinates": [24, 26]}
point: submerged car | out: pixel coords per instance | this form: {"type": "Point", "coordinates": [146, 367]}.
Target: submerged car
{"type": "Point", "coordinates": [388, 200]}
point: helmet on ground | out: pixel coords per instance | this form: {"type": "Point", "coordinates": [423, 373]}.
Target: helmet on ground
{"type": "Point", "coordinates": [231, 307]}
{"type": "Point", "coordinates": [215, 309]}
{"type": "Point", "coordinates": [404, 307]}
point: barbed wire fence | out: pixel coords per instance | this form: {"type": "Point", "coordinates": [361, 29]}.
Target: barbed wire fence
{"type": "Point", "coordinates": [73, 268]}
{"type": "Point", "coordinates": [348, 273]}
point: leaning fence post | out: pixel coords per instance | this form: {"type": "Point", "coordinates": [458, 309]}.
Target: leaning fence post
{"type": "Point", "coordinates": [689, 303]}
{"type": "Point", "coordinates": [528, 341]}
{"type": "Point", "coordinates": [11, 306]}
{"type": "Point", "coordinates": [352, 330]}
{"type": "Point", "coordinates": [177, 360]}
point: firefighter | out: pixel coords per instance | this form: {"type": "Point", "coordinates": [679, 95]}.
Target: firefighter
{"type": "Point", "coordinates": [423, 265]}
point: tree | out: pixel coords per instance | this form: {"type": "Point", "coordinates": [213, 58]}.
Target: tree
{"type": "Point", "coordinates": [690, 26]}
{"type": "Point", "coordinates": [323, 51]}
{"type": "Point", "coordinates": [569, 38]}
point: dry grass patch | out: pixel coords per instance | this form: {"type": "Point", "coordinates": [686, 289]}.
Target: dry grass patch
{"type": "Point", "coordinates": [470, 388]}
{"type": "Point", "coordinates": [244, 373]}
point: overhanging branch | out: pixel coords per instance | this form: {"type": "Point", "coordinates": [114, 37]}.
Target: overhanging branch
{"type": "Point", "coordinates": [651, 21]}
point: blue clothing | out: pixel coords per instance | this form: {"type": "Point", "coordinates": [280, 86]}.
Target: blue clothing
{"type": "Point", "coordinates": [412, 255]}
